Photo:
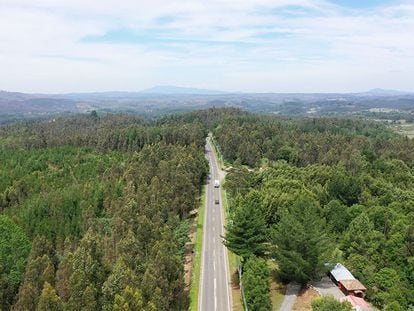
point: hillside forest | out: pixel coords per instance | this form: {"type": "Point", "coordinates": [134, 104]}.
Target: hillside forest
{"type": "Point", "coordinates": [95, 210]}
{"type": "Point", "coordinates": [321, 191]}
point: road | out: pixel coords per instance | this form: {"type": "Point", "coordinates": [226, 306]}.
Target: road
{"type": "Point", "coordinates": [326, 287]}
{"type": "Point", "coordinates": [292, 292]}
{"type": "Point", "coordinates": [214, 282]}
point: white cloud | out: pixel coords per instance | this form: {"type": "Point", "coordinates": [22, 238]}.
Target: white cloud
{"type": "Point", "coordinates": [263, 45]}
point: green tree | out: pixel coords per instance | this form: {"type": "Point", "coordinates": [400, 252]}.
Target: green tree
{"type": "Point", "coordinates": [239, 181]}
{"type": "Point", "coordinates": [130, 299]}
{"type": "Point", "coordinates": [89, 299]}
{"type": "Point", "coordinates": [163, 277]}
{"type": "Point", "coordinates": [94, 116]}
{"type": "Point", "coordinates": [246, 233]}
{"type": "Point", "coordinates": [344, 187]}
{"type": "Point", "coordinates": [362, 240]}
{"type": "Point", "coordinates": [120, 277]}
{"type": "Point", "coordinates": [14, 249]}
{"type": "Point", "coordinates": [337, 215]}
{"type": "Point", "coordinates": [48, 300]}
{"type": "Point", "coordinates": [256, 285]}
{"type": "Point", "coordinates": [63, 274]}
{"type": "Point", "coordinates": [393, 306]}
{"type": "Point", "coordinates": [88, 275]}
{"type": "Point", "coordinates": [289, 154]}
{"type": "Point", "coordinates": [38, 271]}
{"type": "Point", "coordinates": [301, 245]}
{"type": "Point", "coordinates": [390, 286]}
{"type": "Point", "coordinates": [329, 303]}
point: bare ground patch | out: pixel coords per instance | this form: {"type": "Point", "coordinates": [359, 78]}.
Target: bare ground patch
{"type": "Point", "coordinates": [304, 300]}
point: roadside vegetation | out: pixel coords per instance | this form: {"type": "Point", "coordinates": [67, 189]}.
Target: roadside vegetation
{"type": "Point", "coordinates": [198, 248]}
{"type": "Point", "coordinates": [351, 178]}
{"type": "Point", "coordinates": [329, 303]}
{"type": "Point", "coordinates": [97, 209]}
{"type": "Point", "coordinates": [95, 212]}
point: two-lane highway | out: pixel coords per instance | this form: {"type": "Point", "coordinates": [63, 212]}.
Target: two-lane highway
{"type": "Point", "coordinates": [214, 292]}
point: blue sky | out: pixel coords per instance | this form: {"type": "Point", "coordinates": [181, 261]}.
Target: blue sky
{"type": "Point", "coordinates": [358, 4]}
{"type": "Point", "coordinates": [234, 45]}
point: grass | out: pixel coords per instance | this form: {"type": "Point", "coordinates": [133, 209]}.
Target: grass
{"type": "Point", "coordinates": [304, 300]}
{"type": "Point", "coordinates": [406, 129]}
{"type": "Point", "coordinates": [277, 289]}
{"type": "Point", "coordinates": [233, 263]}
{"type": "Point", "coordinates": [198, 247]}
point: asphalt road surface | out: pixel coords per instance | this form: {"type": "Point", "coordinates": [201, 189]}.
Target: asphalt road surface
{"type": "Point", "coordinates": [214, 288]}
{"type": "Point", "coordinates": [292, 292]}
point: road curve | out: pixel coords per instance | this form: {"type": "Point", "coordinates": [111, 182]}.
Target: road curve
{"type": "Point", "coordinates": [214, 292]}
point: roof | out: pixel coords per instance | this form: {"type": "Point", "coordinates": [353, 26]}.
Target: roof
{"type": "Point", "coordinates": [339, 272]}
{"type": "Point", "coordinates": [353, 285]}
{"type": "Point", "coordinates": [357, 302]}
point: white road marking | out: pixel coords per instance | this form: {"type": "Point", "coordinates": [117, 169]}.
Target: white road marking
{"type": "Point", "coordinates": [215, 294]}
{"type": "Point", "coordinates": [210, 211]}
{"type": "Point", "coordinates": [226, 266]}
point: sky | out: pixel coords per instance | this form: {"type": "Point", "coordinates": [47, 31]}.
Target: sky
{"type": "Point", "coordinates": [55, 46]}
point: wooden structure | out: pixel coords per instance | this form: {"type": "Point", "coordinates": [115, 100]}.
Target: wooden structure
{"type": "Point", "coordinates": [346, 282]}
{"type": "Point", "coordinates": [352, 287]}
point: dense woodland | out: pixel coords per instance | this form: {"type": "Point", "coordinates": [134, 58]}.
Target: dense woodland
{"type": "Point", "coordinates": [95, 212]}
{"type": "Point", "coordinates": [324, 191]}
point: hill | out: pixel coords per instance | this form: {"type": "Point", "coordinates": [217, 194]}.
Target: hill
{"type": "Point", "coordinates": [169, 89]}
{"type": "Point", "coordinates": [375, 104]}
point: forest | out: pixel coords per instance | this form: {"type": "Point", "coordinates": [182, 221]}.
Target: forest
{"type": "Point", "coordinates": [321, 191]}
{"type": "Point", "coordinates": [95, 212]}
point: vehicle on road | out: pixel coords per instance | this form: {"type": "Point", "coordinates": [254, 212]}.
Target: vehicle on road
{"type": "Point", "coordinates": [217, 201]}
{"type": "Point", "coordinates": [216, 183]}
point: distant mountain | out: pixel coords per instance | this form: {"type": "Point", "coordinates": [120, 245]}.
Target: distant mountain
{"type": "Point", "coordinates": [167, 99]}
{"type": "Point", "coordinates": [386, 92]}
{"type": "Point", "coordinates": [22, 104]}
{"type": "Point", "coordinates": [170, 90]}
{"type": "Point", "coordinates": [4, 95]}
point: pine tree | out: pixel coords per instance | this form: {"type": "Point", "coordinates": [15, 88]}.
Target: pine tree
{"type": "Point", "coordinates": [164, 274]}
{"type": "Point", "coordinates": [128, 249]}
{"type": "Point", "coordinates": [88, 275]}
{"type": "Point", "coordinates": [129, 299]}
{"type": "Point", "coordinates": [48, 300]}
{"type": "Point", "coordinates": [246, 233]}
{"type": "Point", "coordinates": [301, 245]}
{"type": "Point", "coordinates": [90, 299]}
{"type": "Point", "coordinates": [63, 274]}
{"type": "Point", "coordinates": [41, 246]}
{"type": "Point", "coordinates": [120, 277]}
{"type": "Point", "coordinates": [27, 298]}
{"type": "Point", "coordinates": [38, 271]}
{"type": "Point", "coordinates": [14, 249]}
{"type": "Point", "coordinates": [256, 284]}
{"type": "Point", "coordinates": [362, 238]}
